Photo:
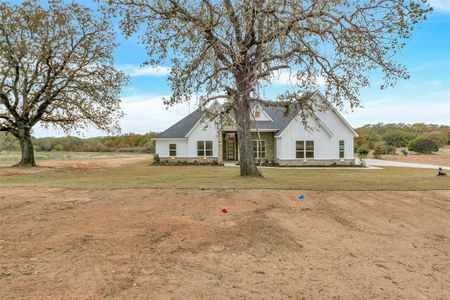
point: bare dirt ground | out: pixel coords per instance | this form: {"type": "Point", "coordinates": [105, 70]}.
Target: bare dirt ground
{"type": "Point", "coordinates": [92, 164]}
{"type": "Point", "coordinates": [85, 164]}
{"type": "Point", "coordinates": [441, 158]}
{"type": "Point", "coordinates": [177, 244]}
{"type": "Point", "coordinates": [438, 160]}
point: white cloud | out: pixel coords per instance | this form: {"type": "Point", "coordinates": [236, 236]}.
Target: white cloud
{"type": "Point", "coordinates": [144, 113]}
{"type": "Point", "coordinates": [138, 71]}
{"type": "Point", "coordinates": [441, 5]}
{"type": "Point", "coordinates": [147, 112]}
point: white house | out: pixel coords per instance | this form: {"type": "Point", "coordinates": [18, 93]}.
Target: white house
{"type": "Point", "coordinates": [284, 140]}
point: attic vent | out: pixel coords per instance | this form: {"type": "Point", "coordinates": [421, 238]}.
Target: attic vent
{"type": "Point", "coordinates": [257, 114]}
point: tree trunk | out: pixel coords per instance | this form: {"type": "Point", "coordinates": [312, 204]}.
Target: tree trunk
{"type": "Point", "coordinates": [246, 157]}
{"type": "Point", "coordinates": [26, 145]}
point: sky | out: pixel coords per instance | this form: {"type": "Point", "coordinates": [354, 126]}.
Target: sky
{"type": "Point", "coordinates": [425, 97]}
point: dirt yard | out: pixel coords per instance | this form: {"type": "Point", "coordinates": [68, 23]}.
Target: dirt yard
{"type": "Point", "coordinates": [178, 244]}
{"type": "Point", "coordinates": [92, 164]}
{"type": "Point", "coordinates": [83, 165]}
{"type": "Point", "coordinates": [441, 158]}
{"type": "Point", "coordinates": [438, 160]}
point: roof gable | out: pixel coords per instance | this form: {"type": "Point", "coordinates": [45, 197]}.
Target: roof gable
{"type": "Point", "coordinates": [318, 119]}
{"type": "Point", "coordinates": [337, 113]}
{"type": "Point", "coordinates": [263, 115]}
{"type": "Point", "coordinates": [276, 120]}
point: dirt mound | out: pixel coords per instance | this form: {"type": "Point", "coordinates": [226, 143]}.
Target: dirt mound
{"type": "Point", "coordinates": [169, 243]}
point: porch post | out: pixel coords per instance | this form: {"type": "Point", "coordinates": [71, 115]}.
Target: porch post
{"type": "Point", "coordinates": [220, 146]}
{"type": "Point", "coordinates": [236, 146]}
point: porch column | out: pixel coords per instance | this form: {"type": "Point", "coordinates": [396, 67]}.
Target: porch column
{"type": "Point", "coordinates": [220, 146]}
{"type": "Point", "coordinates": [237, 146]}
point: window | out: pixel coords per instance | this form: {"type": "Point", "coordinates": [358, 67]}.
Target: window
{"type": "Point", "coordinates": [259, 148]}
{"type": "Point", "coordinates": [304, 149]}
{"type": "Point", "coordinates": [341, 149]}
{"type": "Point", "coordinates": [257, 114]}
{"type": "Point", "coordinates": [208, 148]}
{"type": "Point", "coordinates": [300, 149]}
{"type": "Point", "coordinates": [172, 149]}
{"type": "Point", "coordinates": [309, 149]}
{"type": "Point", "coordinates": [204, 148]}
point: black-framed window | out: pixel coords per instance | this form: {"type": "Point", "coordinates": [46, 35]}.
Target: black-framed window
{"type": "Point", "coordinates": [172, 149]}
{"type": "Point", "coordinates": [204, 148]}
{"type": "Point", "coordinates": [300, 149]}
{"type": "Point", "coordinates": [304, 149]}
{"type": "Point", "coordinates": [259, 148]}
{"type": "Point", "coordinates": [208, 148]}
{"type": "Point", "coordinates": [341, 149]}
{"type": "Point", "coordinates": [309, 153]}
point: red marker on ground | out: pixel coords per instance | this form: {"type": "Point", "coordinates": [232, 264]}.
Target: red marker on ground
{"type": "Point", "coordinates": [224, 210]}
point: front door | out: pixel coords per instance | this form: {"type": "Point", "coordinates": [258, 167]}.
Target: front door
{"type": "Point", "coordinates": [230, 146]}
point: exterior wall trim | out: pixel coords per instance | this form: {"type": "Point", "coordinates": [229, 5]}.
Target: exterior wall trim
{"type": "Point", "coordinates": [171, 139]}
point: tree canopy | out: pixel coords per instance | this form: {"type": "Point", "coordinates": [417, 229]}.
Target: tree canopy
{"type": "Point", "coordinates": [56, 69]}
{"type": "Point", "coordinates": [400, 135]}
{"type": "Point", "coordinates": [229, 49]}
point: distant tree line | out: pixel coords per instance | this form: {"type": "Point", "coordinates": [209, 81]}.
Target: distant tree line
{"type": "Point", "coordinates": [419, 137]}
{"type": "Point", "coordinates": [129, 142]}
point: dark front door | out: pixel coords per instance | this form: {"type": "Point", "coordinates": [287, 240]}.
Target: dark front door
{"type": "Point", "coordinates": [230, 150]}
{"type": "Point", "coordinates": [230, 146]}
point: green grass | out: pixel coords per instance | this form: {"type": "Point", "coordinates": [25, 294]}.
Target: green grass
{"type": "Point", "coordinates": [11, 157]}
{"type": "Point", "coordinates": [142, 175]}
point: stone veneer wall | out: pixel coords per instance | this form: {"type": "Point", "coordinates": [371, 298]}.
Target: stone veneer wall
{"type": "Point", "coordinates": [316, 162]}
{"type": "Point", "coordinates": [190, 159]}
{"type": "Point", "coordinates": [269, 137]}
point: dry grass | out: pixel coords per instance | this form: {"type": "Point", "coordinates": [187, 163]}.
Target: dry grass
{"type": "Point", "coordinates": [144, 175]}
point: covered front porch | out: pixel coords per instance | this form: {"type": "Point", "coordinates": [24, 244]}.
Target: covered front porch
{"type": "Point", "coordinates": [263, 146]}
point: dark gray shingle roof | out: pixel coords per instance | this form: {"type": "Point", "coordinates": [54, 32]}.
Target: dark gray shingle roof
{"type": "Point", "coordinates": [181, 128]}
{"type": "Point", "coordinates": [280, 120]}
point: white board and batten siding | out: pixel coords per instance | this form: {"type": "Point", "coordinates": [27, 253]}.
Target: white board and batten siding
{"type": "Point", "coordinates": [162, 147]}
{"type": "Point", "coordinates": [187, 147]}
{"type": "Point", "coordinates": [326, 143]}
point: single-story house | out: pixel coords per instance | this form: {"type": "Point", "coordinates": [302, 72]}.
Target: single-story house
{"type": "Point", "coordinates": [277, 138]}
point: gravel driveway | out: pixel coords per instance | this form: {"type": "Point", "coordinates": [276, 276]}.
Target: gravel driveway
{"type": "Point", "coordinates": [389, 163]}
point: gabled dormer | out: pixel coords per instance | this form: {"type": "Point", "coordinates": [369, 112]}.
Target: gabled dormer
{"type": "Point", "coordinates": [260, 114]}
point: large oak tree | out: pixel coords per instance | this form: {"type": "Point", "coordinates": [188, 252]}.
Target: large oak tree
{"type": "Point", "coordinates": [56, 69]}
{"type": "Point", "coordinates": [231, 48]}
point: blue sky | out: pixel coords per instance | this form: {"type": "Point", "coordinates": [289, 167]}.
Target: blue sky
{"type": "Point", "coordinates": [425, 97]}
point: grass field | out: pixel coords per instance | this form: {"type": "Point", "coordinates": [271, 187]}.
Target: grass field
{"type": "Point", "coordinates": [143, 175]}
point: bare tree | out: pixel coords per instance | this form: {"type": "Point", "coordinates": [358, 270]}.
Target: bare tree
{"type": "Point", "coordinates": [230, 49]}
{"type": "Point", "coordinates": [56, 69]}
